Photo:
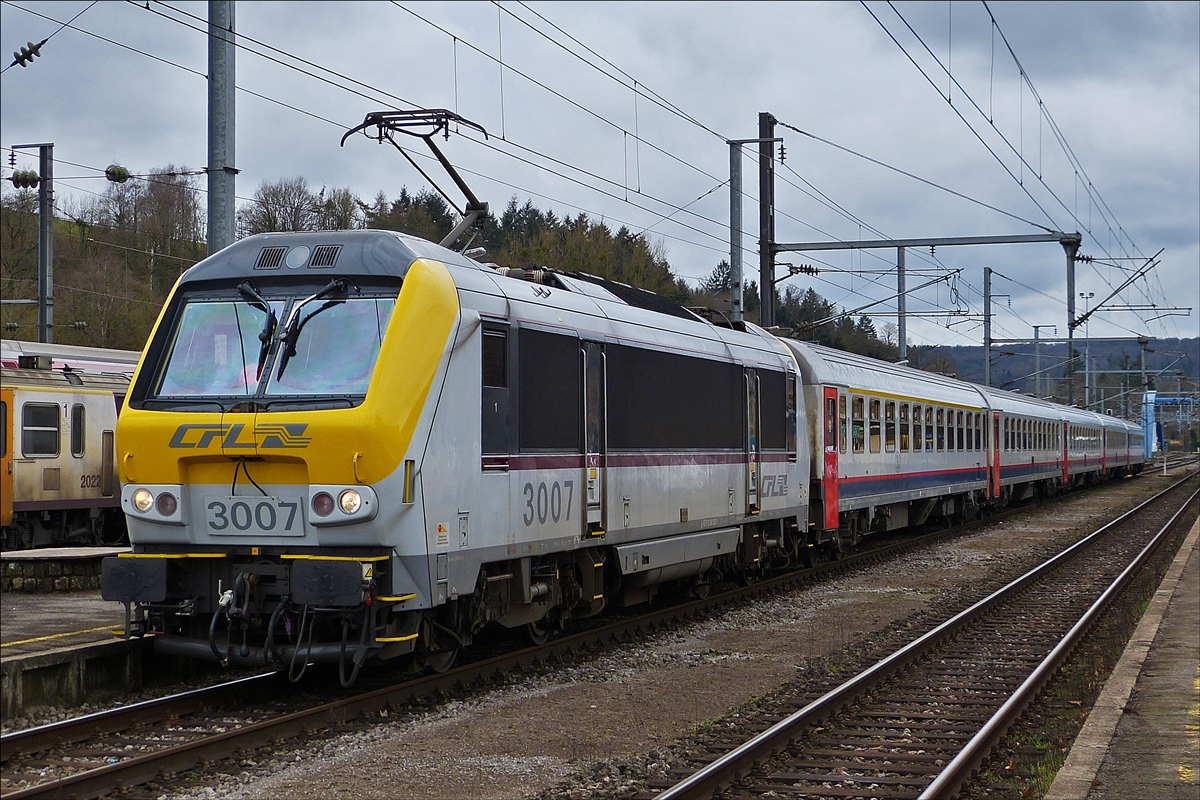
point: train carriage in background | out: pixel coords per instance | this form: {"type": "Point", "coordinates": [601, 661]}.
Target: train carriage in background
{"type": "Point", "coordinates": [59, 483]}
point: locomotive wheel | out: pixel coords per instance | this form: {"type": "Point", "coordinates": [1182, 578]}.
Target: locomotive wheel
{"type": "Point", "coordinates": [538, 632]}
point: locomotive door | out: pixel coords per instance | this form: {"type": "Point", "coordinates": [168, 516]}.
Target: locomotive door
{"type": "Point", "coordinates": [829, 480]}
{"type": "Point", "coordinates": [995, 470]}
{"type": "Point", "coordinates": [6, 456]}
{"type": "Point", "coordinates": [595, 444]}
{"type": "Point", "coordinates": [752, 442]}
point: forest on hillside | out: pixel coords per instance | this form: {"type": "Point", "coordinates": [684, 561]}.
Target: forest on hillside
{"type": "Point", "coordinates": [118, 253]}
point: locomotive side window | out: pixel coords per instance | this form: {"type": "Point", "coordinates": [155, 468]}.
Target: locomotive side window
{"type": "Point", "coordinates": [889, 426]}
{"type": "Point", "coordinates": [941, 429]}
{"type": "Point", "coordinates": [666, 401]}
{"type": "Point", "coordinates": [791, 416]}
{"type": "Point", "coordinates": [78, 418]}
{"type": "Point", "coordinates": [548, 390]}
{"type": "Point", "coordinates": [859, 423]}
{"type": "Point", "coordinates": [495, 395]}
{"type": "Point", "coordinates": [40, 429]}
{"type": "Point", "coordinates": [772, 402]}
{"type": "Point", "coordinates": [928, 427]}
{"type": "Point", "coordinates": [842, 418]}
{"type": "Point", "coordinates": [874, 432]}
{"type": "Point", "coordinates": [904, 437]}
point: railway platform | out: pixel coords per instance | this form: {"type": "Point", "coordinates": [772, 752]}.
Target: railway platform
{"type": "Point", "coordinates": [1142, 739]}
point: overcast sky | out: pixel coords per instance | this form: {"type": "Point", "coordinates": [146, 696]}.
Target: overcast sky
{"type": "Point", "coordinates": [1117, 85]}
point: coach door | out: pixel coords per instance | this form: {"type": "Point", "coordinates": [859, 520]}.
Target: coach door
{"type": "Point", "coordinates": [1066, 451]}
{"type": "Point", "coordinates": [995, 470]}
{"type": "Point", "coordinates": [6, 456]}
{"type": "Point", "coordinates": [752, 442]}
{"type": "Point", "coordinates": [829, 479]}
{"type": "Point", "coordinates": [595, 443]}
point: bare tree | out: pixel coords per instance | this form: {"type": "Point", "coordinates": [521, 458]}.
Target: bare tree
{"type": "Point", "coordinates": [339, 210]}
{"type": "Point", "coordinates": [286, 205]}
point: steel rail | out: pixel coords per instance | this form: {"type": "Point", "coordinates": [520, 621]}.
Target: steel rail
{"type": "Point", "coordinates": [68, 731]}
{"type": "Point", "coordinates": [740, 761]}
{"type": "Point", "coordinates": [963, 765]}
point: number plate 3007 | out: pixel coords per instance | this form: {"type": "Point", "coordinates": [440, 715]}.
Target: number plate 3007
{"type": "Point", "coordinates": [254, 516]}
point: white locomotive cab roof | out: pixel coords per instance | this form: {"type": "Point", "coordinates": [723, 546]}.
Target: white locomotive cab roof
{"type": "Point", "coordinates": [828, 366]}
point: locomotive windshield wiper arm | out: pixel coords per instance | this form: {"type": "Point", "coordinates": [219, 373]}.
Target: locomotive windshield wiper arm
{"type": "Point", "coordinates": [291, 330]}
{"type": "Point", "coordinates": [247, 290]}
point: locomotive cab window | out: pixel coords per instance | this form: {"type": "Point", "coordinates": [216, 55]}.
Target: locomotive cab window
{"type": "Point", "coordinates": [78, 420]}
{"type": "Point", "coordinates": [40, 429]}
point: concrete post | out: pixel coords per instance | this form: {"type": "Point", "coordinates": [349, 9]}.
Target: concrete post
{"type": "Point", "coordinates": [766, 218]}
{"type": "Point", "coordinates": [987, 326]}
{"type": "Point", "coordinates": [46, 244]}
{"type": "Point", "coordinates": [901, 304]}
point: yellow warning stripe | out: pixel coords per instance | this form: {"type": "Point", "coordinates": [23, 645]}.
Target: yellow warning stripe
{"type": "Point", "coordinates": [56, 636]}
{"type": "Point", "coordinates": [397, 599]}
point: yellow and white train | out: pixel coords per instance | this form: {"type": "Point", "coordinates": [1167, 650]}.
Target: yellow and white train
{"type": "Point", "coordinates": [346, 445]}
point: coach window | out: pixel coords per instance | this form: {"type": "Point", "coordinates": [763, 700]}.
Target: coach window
{"type": "Point", "coordinates": [918, 433]}
{"type": "Point", "coordinates": [773, 409]}
{"type": "Point", "coordinates": [39, 429]}
{"type": "Point", "coordinates": [889, 426]}
{"type": "Point", "coordinates": [842, 418]}
{"type": "Point", "coordinates": [874, 432]}
{"type": "Point", "coordinates": [978, 431]}
{"type": "Point", "coordinates": [941, 429]}
{"type": "Point", "coordinates": [78, 418]}
{"type": "Point", "coordinates": [858, 425]}
{"type": "Point", "coordinates": [928, 427]}
{"type": "Point", "coordinates": [958, 427]}
{"type": "Point", "coordinates": [904, 437]}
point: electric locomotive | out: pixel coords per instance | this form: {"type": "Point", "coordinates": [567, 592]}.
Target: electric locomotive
{"type": "Point", "coordinates": [358, 444]}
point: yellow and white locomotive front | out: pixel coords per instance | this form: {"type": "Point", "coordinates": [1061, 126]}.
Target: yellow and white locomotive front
{"type": "Point", "coordinates": [268, 450]}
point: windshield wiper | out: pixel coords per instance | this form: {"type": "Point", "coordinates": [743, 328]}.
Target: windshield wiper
{"type": "Point", "coordinates": [291, 331]}
{"type": "Point", "coordinates": [247, 290]}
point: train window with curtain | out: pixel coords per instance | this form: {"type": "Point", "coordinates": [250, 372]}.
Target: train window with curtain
{"type": "Point", "coordinates": [958, 427]}
{"type": "Point", "coordinates": [858, 422]}
{"type": "Point", "coordinates": [905, 440]}
{"type": "Point", "coordinates": [78, 421]}
{"type": "Point", "coordinates": [941, 429]}
{"type": "Point", "coordinates": [928, 427]}
{"type": "Point", "coordinates": [842, 417]}
{"type": "Point", "coordinates": [548, 391]}
{"type": "Point", "coordinates": [874, 422]}
{"type": "Point", "coordinates": [918, 431]}
{"type": "Point", "coordinates": [889, 426]}
{"type": "Point", "coordinates": [40, 429]}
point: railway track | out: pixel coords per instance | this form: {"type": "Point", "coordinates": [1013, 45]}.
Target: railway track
{"type": "Point", "coordinates": [131, 745]}
{"type": "Point", "coordinates": [919, 722]}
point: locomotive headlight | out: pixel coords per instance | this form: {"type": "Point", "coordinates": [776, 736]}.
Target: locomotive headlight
{"type": "Point", "coordinates": [350, 501]}
{"type": "Point", "coordinates": [167, 504]}
{"type": "Point", "coordinates": [143, 500]}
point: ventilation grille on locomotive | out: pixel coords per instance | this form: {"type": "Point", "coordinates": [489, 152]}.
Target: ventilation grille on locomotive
{"type": "Point", "coordinates": [270, 258]}
{"type": "Point", "coordinates": [325, 256]}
